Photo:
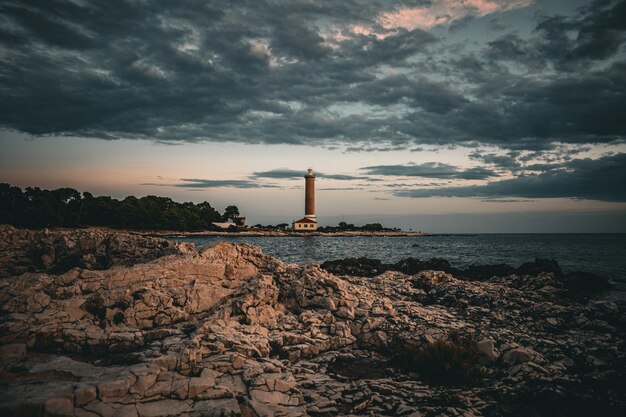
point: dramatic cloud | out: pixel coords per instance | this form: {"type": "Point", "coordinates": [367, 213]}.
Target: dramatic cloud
{"type": "Point", "coordinates": [507, 162]}
{"type": "Point", "coordinates": [431, 170]}
{"type": "Point", "coordinates": [279, 173]}
{"type": "Point", "coordinates": [445, 11]}
{"type": "Point", "coordinates": [599, 33]}
{"type": "Point", "coordinates": [340, 189]}
{"type": "Point", "coordinates": [567, 43]}
{"type": "Point", "coordinates": [349, 74]}
{"type": "Point", "coordinates": [299, 174]}
{"type": "Point", "coordinates": [593, 179]}
{"type": "Point", "coordinates": [204, 183]}
{"type": "Point", "coordinates": [515, 162]}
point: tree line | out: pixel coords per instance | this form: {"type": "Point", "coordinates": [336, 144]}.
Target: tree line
{"type": "Point", "coordinates": [67, 207]}
{"type": "Point", "coordinates": [349, 227]}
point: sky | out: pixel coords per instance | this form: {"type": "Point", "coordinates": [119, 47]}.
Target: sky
{"type": "Point", "coordinates": [434, 115]}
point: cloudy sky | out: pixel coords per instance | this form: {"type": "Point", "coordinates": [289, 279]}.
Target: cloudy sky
{"type": "Point", "coordinates": [439, 115]}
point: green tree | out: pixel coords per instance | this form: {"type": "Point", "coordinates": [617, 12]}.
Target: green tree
{"type": "Point", "coordinates": [230, 213]}
{"type": "Point", "coordinates": [37, 208]}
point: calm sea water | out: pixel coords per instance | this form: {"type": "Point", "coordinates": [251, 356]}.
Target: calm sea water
{"type": "Point", "coordinates": [603, 254]}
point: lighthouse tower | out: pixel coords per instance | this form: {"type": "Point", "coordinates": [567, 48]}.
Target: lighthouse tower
{"type": "Point", "coordinates": [309, 222]}
{"type": "Point", "coordinates": [309, 195]}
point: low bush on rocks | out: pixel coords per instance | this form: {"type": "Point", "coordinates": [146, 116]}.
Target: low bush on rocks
{"type": "Point", "coordinates": [95, 306]}
{"type": "Point", "coordinates": [118, 317]}
{"type": "Point", "coordinates": [122, 304]}
{"type": "Point", "coordinates": [455, 361]}
{"type": "Point", "coordinates": [360, 368]}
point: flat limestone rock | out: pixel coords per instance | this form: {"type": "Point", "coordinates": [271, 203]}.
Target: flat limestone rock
{"type": "Point", "coordinates": [163, 408]}
{"type": "Point", "coordinates": [217, 408]}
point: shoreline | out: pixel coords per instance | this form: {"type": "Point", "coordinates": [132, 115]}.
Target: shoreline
{"type": "Point", "coordinates": [274, 233]}
{"type": "Point", "coordinates": [246, 233]}
{"type": "Point", "coordinates": [288, 234]}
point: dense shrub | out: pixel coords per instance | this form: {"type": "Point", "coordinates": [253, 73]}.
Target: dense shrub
{"type": "Point", "coordinates": [95, 306]}
{"type": "Point", "coordinates": [450, 362]}
{"type": "Point", "coordinates": [118, 317]}
{"type": "Point", "coordinates": [349, 227]}
{"type": "Point", "coordinates": [36, 208]}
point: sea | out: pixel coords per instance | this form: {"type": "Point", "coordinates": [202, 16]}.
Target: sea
{"type": "Point", "coordinates": [601, 254]}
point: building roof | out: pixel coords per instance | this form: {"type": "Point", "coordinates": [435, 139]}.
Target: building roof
{"type": "Point", "coordinates": [223, 225]}
{"type": "Point", "coordinates": [305, 220]}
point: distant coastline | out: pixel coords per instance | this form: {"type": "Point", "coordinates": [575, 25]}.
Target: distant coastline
{"type": "Point", "coordinates": [275, 233]}
{"type": "Point", "coordinates": [248, 233]}
{"type": "Point", "coordinates": [67, 208]}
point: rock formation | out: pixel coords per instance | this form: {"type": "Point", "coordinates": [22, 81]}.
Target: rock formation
{"type": "Point", "coordinates": [230, 331]}
{"type": "Point", "coordinates": [61, 250]}
{"type": "Point", "coordinates": [574, 281]}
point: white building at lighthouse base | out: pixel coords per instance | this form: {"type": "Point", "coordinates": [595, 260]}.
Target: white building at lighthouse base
{"type": "Point", "coordinates": [305, 224]}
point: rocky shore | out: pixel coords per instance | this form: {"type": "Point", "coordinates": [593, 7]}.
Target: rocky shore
{"type": "Point", "coordinates": [254, 232]}
{"type": "Point", "coordinates": [576, 282]}
{"type": "Point", "coordinates": [283, 233]}
{"type": "Point", "coordinates": [61, 250]}
{"type": "Point", "coordinates": [96, 324]}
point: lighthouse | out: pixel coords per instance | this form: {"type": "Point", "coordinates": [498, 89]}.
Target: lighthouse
{"type": "Point", "coordinates": [309, 222]}
{"type": "Point", "coordinates": [309, 195]}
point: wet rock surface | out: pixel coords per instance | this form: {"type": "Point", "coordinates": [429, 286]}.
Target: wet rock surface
{"type": "Point", "coordinates": [230, 331]}
{"type": "Point", "coordinates": [576, 282]}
